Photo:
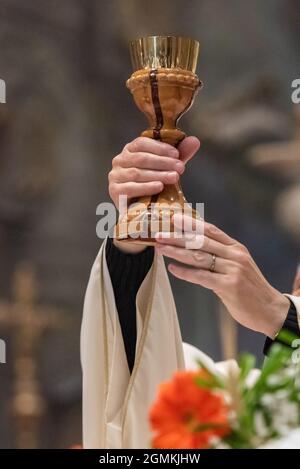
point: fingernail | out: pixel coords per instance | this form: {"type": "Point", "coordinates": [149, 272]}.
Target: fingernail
{"type": "Point", "coordinates": [173, 176]}
{"type": "Point", "coordinates": [174, 153]}
{"type": "Point", "coordinates": [179, 167]}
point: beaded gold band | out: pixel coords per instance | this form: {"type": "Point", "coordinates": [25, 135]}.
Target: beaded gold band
{"type": "Point", "coordinates": [213, 263]}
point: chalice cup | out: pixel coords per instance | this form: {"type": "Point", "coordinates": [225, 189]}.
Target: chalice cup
{"type": "Point", "coordinates": [163, 85]}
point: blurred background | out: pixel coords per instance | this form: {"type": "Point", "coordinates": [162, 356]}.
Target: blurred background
{"type": "Point", "coordinates": [68, 113]}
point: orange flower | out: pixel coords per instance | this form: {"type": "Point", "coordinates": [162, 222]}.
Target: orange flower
{"type": "Point", "coordinates": [187, 416]}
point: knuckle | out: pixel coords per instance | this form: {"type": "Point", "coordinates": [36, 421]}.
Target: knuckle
{"type": "Point", "coordinates": [113, 189]}
{"type": "Point", "coordinates": [242, 248]}
{"type": "Point", "coordinates": [164, 147]}
{"type": "Point", "coordinates": [174, 152]}
{"type": "Point", "coordinates": [212, 229]}
{"type": "Point", "coordinates": [146, 160]}
{"type": "Point", "coordinates": [133, 174]}
{"type": "Point", "coordinates": [206, 243]}
{"type": "Point", "coordinates": [198, 241]}
{"type": "Point", "coordinates": [151, 188]}
{"type": "Point", "coordinates": [116, 161]}
{"type": "Point", "coordinates": [198, 256]}
{"type": "Point", "coordinates": [243, 255]}
{"type": "Point", "coordinates": [167, 148]}
{"type": "Point", "coordinates": [131, 192]}
{"type": "Point", "coordinates": [111, 176]}
{"type": "Point", "coordinates": [137, 159]}
{"type": "Point", "coordinates": [133, 148]}
{"type": "Point", "coordinates": [162, 176]}
{"type": "Point", "coordinates": [135, 144]}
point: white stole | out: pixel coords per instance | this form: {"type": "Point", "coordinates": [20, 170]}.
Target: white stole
{"type": "Point", "coordinates": [115, 404]}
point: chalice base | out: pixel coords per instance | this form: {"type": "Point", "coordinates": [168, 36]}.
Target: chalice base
{"type": "Point", "coordinates": [151, 215]}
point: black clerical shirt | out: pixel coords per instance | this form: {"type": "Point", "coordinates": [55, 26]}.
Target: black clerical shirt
{"type": "Point", "coordinates": [127, 272]}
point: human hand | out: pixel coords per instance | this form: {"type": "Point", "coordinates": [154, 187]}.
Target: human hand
{"type": "Point", "coordinates": [143, 167]}
{"type": "Point", "coordinates": [236, 279]}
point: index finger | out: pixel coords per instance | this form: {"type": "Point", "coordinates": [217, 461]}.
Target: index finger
{"type": "Point", "coordinates": [189, 241]}
{"type": "Point", "coordinates": [187, 223]}
{"type": "Point", "coordinates": [148, 145]}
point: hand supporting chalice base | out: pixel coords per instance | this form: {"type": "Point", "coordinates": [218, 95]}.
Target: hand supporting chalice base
{"type": "Point", "coordinates": [164, 85]}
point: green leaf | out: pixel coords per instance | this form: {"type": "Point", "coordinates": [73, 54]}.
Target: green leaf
{"type": "Point", "coordinates": [246, 363]}
{"type": "Point", "coordinates": [211, 384]}
{"type": "Point", "coordinates": [216, 381]}
{"type": "Point", "coordinates": [287, 337]}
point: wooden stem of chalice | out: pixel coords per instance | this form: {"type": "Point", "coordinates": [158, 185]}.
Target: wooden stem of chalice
{"type": "Point", "coordinates": [163, 87]}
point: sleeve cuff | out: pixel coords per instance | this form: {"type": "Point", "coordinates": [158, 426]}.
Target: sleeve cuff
{"type": "Point", "coordinates": [290, 324]}
{"type": "Point", "coordinates": [128, 270]}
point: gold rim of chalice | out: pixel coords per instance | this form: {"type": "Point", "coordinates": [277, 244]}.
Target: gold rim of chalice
{"type": "Point", "coordinates": [155, 52]}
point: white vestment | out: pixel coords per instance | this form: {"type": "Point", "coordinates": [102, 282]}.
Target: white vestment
{"type": "Point", "coordinates": [115, 403]}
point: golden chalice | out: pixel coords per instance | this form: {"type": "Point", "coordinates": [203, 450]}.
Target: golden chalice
{"type": "Point", "coordinates": [164, 85]}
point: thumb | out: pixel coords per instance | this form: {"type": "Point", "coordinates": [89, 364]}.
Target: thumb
{"type": "Point", "coordinates": [188, 148]}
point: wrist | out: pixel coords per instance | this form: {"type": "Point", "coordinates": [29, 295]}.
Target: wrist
{"type": "Point", "coordinates": [278, 310]}
{"type": "Point", "coordinates": [129, 247]}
